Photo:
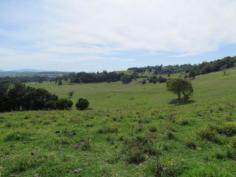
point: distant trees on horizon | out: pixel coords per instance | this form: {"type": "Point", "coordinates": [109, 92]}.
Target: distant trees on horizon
{"type": "Point", "coordinates": [191, 71]}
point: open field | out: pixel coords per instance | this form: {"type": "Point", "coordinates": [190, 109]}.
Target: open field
{"type": "Point", "coordinates": [192, 140]}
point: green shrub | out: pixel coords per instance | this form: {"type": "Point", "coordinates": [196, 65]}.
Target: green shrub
{"type": "Point", "coordinates": [17, 136]}
{"type": "Point", "coordinates": [168, 169]}
{"type": "Point", "coordinates": [82, 104]}
{"type": "Point", "coordinates": [210, 134]}
{"type": "Point", "coordinates": [207, 171]}
{"type": "Point", "coordinates": [191, 144]}
{"type": "Point", "coordinates": [106, 130]}
{"type": "Point", "coordinates": [153, 129]}
{"type": "Point", "coordinates": [137, 148]}
{"type": "Point", "coordinates": [228, 129]}
{"type": "Point", "coordinates": [231, 154]}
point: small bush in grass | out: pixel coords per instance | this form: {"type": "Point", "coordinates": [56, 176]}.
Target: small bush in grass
{"type": "Point", "coordinates": [135, 150]}
{"type": "Point", "coordinates": [17, 136]}
{"type": "Point", "coordinates": [228, 129]}
{"type": "Point", "coordinates": [184, 122]}
{"type": "Point", "coordinates": [220, 155]}
{"type": "Point", "coordinates": [170, 135]}
{"type": "Point", "coordinates": [153, 129]}
{"type": "Point", "coordinates": [191, 145]}
{"type": "Point", "coordinates": [231, 154]}
{"type": "Point", "coordinates": [207, 171]}
{"type": "Point", "coordinates": [85, 144]}
{"type": "Point", "coordinates": [138, 148]}
{"type": "Point", "coordinates": [209, 134]}
{"type": "Point", "coordinates": [234, 143]}
{"type": "Point", "coordinates": [23, 163]}
{"type": "Point", "coordinates": [168, 169]}
{"type": "Point", "coordinates": [82, 104]}
{"type": "Point", "coordinates": [106, 130]}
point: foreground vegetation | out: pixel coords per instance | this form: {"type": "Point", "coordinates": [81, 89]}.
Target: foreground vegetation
{"type": "Point", "coordinates": [129, 130]}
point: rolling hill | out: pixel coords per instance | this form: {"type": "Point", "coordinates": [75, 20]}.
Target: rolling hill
{"type": "Point", "coordinates": [129, 130]}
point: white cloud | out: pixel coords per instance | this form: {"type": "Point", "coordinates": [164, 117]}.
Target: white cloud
{"type": "Point", "coordinates": [188, 26]}
{"type": "Point", "coordinates": [80, 30]}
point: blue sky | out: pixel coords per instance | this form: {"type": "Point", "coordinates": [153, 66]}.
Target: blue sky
{"type": "Point", "coordinates": [96, 35]}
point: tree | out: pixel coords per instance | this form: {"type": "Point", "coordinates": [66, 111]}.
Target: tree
{"type": "Point", "coordinates": [181, 87]}
{"type": "Point", "coordinates": [64, 104]}
{"type": "Point", "coordinates": [60, 82]}
{"type": "Point", "coordinates": [192, 75]}
{"type": "Point", "coordinates": [82, 104]}
{"type": "Point", "coordinates": [126, 79]}
{"type": "Point", "coordinates": [18, 97]}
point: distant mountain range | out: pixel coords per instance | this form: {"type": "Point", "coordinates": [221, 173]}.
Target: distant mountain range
{"type": "Point", "coordinates": [30, 73]}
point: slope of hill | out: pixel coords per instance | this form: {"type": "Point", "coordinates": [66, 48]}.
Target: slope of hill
{"type": "Point", "coordinates": [130, 130]}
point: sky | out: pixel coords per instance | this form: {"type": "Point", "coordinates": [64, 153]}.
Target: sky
{"type": "Point", "coordinates": [96, 35]}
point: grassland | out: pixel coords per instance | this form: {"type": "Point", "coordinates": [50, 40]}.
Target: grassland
{"type": "Point", "coordinates": [129, 130]}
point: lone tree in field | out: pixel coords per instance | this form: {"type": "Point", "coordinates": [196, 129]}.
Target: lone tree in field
{"type": "Point", "coordinates": [82, 104]}
{"type": "Point", "coordinates": [181, 87]}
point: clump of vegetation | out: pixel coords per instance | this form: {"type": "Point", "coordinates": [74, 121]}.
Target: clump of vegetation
{"type": "Point", "coordinates": [71, 93]}
{"type": "Point", "coordinates": [168, 168]}
{"type": "Point", "coordinates": [228, 129]}
{"type": "Point", "coordinates": [191, 144]}
{"type": "Point", "coordinates": [64, 104]}
{"type": "Point", "coordinates": [17, 136]}
{"type": "Point", "coordinates": [23, 163]}
{"type": "Point", "coordinates": [181, 87]}
{"type": "Point", "coordinates": [82, 104]}
{"type": "Point", "coordinates": [126, 79]}
{"type": "Point", "coordinates": [138, 147]}
{"type": "Point", "coordinates": [85, 144]}
{"type": "Point", "coordinates": [106, 130]}
{"type": "Point", "coordinates": [153, 129]}
{"type": "Point", "coordinates": [210, 134]}
{"type": "Point", "coordinates": [18, 97]}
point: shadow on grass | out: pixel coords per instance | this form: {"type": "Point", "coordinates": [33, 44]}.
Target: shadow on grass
{"type": "Point", "coordinates": [181, 102]}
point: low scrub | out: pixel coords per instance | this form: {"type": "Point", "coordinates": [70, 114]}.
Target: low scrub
{"type": "Point", "coordinates": [228, 129]}
{"type": "Point", "coordinates": [168, 168]}
{"type": "Point", "coordinates": [138, 148]}
{"type": "Point", "coordinates": [106, 130]}
{"type": "Point", "coordinates": [210, 134]}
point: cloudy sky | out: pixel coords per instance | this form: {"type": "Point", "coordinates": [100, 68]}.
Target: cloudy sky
{"type": "Point", "coordinates": [91, 35]}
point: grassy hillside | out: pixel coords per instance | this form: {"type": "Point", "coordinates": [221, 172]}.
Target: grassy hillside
{"type": "Point", "coordinates": [130, 130]}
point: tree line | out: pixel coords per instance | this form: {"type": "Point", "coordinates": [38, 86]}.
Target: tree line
{"type": "Point", "coordinates": [197, 69]}
{"type": "Point", "coordinates": [19, 97]}
{"type": "Point", "coordinates": [133, 73]}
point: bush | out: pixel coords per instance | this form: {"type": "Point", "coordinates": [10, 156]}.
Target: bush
{"type": "Point", "coordinates": [138, 148]}
{"type": "Point", "coordinates": [209, 134]}
{"type": "Point", "coordinates": [191, 145]}
{"type": "Point", "coordinates": [106, 130]}
{"type": "Point", "coordinates": [64, 104]}
{"type": "Point", "coordinates": [17, 136]}
{"type": "Point", "coordinates": [228, 129]}
{"type": "Point", "coordinates": [207, 171]}
{"type": "Point", "coordinates": [168, 169]}
{"type": "Point", "coordinates": [126, 79]}
{"type": "Point", "coordinates": [82, 104]}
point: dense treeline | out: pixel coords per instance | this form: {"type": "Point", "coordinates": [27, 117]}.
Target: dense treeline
{"type": "Point", "coordinates": [26, 79]}
{"type": "Point", "coordinates": [132, 73]}
{"type": "Point", "coordinates": [83, 77]}
{"type": "Point", "coordinates": [18, 97]}
{"type": "Point", "coordinates": [203, 68]}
